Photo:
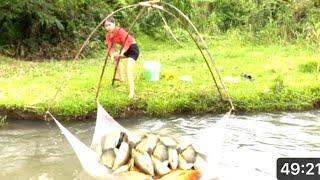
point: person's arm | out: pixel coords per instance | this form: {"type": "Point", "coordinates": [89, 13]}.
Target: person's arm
{"type": "Point", "coordinates": [113, 55]}
{"type": "Point", "coordinates": [127, 41]}
{"type": "Point", "coordinates": [109, 45]}
{"type": "Point", "coordinates": [126, 45]}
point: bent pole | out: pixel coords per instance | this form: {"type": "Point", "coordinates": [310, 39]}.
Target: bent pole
{"type": "Point", "coordinates": [149, 4]}
{"type": "Point", "coordinates": [132, 25]}
{"type": "Point", "coordinates": [198, 46]}
{"type": "Point", "coordinates": [67, 76]}
{"type": "Point", "coordinates": [209, 54]}
{"type": "Point", "coordinates": [167, 27]}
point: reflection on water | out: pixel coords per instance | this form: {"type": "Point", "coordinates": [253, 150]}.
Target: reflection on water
{"type": "Point", "coordinates": [248, 145]}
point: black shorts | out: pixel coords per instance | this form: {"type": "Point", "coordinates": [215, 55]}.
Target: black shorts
{"type": "Point", "coordinates": [132, 52]}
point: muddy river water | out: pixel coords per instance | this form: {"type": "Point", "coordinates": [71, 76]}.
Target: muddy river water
{"type": "Point", "coordinates": [247, 146]}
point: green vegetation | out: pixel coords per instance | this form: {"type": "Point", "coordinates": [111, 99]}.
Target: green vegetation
{"type": "Point", "coordinates": [277, 83]}
{"type": "Point", "coordinates": [32, 29]}
{"type": "Point", "coordinates": [266, 51]}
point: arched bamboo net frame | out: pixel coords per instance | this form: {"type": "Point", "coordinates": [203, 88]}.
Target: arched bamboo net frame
{"type": "Point", "coordinates": [185, 22]}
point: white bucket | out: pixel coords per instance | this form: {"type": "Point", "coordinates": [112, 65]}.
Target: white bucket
{"type": "Point", "coordinates": [151, 70]}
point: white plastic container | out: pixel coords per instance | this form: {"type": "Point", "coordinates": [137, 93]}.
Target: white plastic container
{"type": "Point", "coordinates": [151, 70]}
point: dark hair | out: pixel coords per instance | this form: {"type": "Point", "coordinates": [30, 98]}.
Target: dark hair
{"type": "Point", "coordinates": [110, 19]}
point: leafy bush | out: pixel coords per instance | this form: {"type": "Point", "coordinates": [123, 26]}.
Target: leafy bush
{"type": "Point", "coordinates": [151, 24]}
{"type": "Point", "coordinates": [55, 29]}
{"type": "Point", "coordinates": [47, 29]}
{"type": "Point", "coordinates": [231, 13]}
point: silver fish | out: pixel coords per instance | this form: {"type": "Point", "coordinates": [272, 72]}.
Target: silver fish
{"type": "Point", "coordinates": [122, 156]}
{"type": "Point", "coordinates": [147, 143]}
{"type": "Point", "coordinates": [111, 140]}
{"type": "Point", "coordinates": [143, 162]}
{"type": "Point", "coordinates": [183, 145]}
{"type": "Point", "coordinates": [108, 157]}
{"type": "Point", "coordinates": [173, 158]}
{"type": "Point", "coordinates": [142, 145]}
{"type": "Point", "coordinates": [161, 152]}
{"type": "Point", "coordinates": [189, 154]}
{"type": "Point", "coordinates": [183, 164]}
{"type": "Point", "coordinates": [122, 169]}
{"type": "Point", "coordinates": [152, 142]}
{"type": "Point", "coordinates": [134, 139]}
{"type": "Point", "coordinates": [161, 168]}
{"type": "Point", "coordinates": [168, 141]}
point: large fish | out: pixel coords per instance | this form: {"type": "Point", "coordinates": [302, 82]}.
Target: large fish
{"type": "Point", "coordinates": [183, 164]}
{"type": "Point", "coordinates": [147, 143]}
{"type": "Point", "coordinates": [122, 156]}
{"type": "Point", "coordinates": [108, 157]}
{"type": "Point", "coordinates": [160, 168]}
{"type": "Point", "coordinates": [161, 152]}
{"type": "Point", "coordinates": [173, 158]}
{"type": "Point", "coordinates": [168, 141]}
{"type": "Point", "coordinates": [143, 162]}
{"type": "Point", "coordinates": [189, 154]}
{"type": "Point", "coordinates": [149, 153]}
{"type": "Point", "coordinates": [122, 169]}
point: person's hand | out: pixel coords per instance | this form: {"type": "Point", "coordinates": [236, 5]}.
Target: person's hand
{"type": "Point", "coordinates": [117, 55]}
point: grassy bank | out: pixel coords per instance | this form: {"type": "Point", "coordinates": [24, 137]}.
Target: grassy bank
{"type": "Point", "coordinates": [284, 77]}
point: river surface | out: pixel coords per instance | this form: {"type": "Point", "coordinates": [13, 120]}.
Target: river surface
{"type": "Point", "coordinates": [246, 147]}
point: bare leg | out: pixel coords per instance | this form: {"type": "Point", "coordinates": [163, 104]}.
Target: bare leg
{"type": "Point", "coordinates": [118, 72]}
{"type": "Point", "coordinates": [129, 72]}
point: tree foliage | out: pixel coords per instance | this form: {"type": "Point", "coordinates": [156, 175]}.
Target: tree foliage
{"type": "Point", "coordinates": [46, 28]}
{"type": "Point", "coordinates": [288, 19]}
{"type": "Point", "coordinates": [55, 28]}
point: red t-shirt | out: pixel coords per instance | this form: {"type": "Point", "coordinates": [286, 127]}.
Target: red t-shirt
{"type": "Point", "coordinates": [118, 36]}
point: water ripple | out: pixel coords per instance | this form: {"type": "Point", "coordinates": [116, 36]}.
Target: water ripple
{"type": "Point", "coordinates": [248, 145]}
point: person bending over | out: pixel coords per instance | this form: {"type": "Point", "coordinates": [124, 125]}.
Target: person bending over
{"type": "Point", "coordinates": [129, 50]}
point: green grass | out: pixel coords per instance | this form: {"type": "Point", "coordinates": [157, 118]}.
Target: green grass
{"type": "Point", "coordinates": [279, 81]}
